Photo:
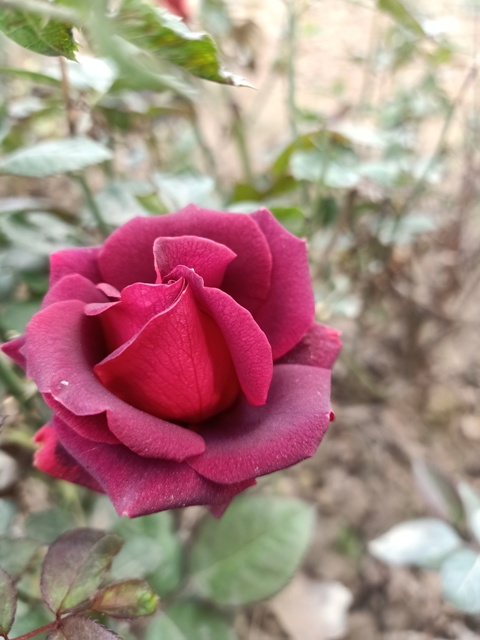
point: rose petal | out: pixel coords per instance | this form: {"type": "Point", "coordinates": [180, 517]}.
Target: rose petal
{"type": "Point", "coordinates": [62, 349]}
{"type": "Point", "coordinates": [319, 347]}
{"type": "Point", "coordinates": [73, 287]}
{"type": "Point", "coordinates": [54, 460]}
{"type": "Point", "coordinates": [15, 349]}
{"type": "Point", "coordinates": [83, 261]}
{"type": "Point", "coordinates": [207, 258]}
{"type": "Point", "coordinates": [248, 345]}
{"type": "Point", "coordinates": [139, 486]}
{"type": "Point", "coordinates": [247, 442]}
{"type": "Point", "coordinates": [178, 367]}
{"type": "Point", "coordinates": [94, 427]}
{"type": "Point", "coordinates": [126, 255]}
{"type": "Point", "coordinates": [138, 304]}
{"type": "Point", "coordinates": [289, 310]}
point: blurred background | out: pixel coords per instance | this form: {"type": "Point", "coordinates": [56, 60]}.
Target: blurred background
{"type": "Point", "coordinates": [361, 133]}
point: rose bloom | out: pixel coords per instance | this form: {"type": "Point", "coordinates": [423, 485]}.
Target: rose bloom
{"type": "Point", "coordinates": [176, 6]}
{"type": "Point", "coordinates": [181, 360]}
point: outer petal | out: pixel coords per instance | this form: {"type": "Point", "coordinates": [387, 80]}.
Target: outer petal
{"type": "Point", "coordinates": [139, 486]}
{"type": "Point", "coordinates": [126, 255]}
{"type": "Point", "coordinates": [247, 442]}
{"type": "Point", "coordinates": [289, 310]}
{"type": "Point", "coordinates": [62, 349]}
{"type": "Point", "coordinates": [207, 258]}
{"type": "Point", "coordinates": [73, 287]}
{"type": "Point", "coordinates": [177, 367]}
{"type": "Point", "coordinates": [15, 349]}
{"type": "Point", "coordinates": [83, 260]}
{"type": "Point", "coordinates": [93, 427]}
{"type": "Point", "coordinates": [53, 459]}
{"type": "Point", "coordinates": [319, 347]}
{"type": "Point", "coordinates": [248, 345]}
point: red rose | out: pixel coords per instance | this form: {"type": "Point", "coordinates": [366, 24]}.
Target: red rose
{"type": "Point", "coordinates": [177, 6]}
{"type": "Point", "coordinates": [181, 360]}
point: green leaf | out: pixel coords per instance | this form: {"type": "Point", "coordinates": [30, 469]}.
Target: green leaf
{"type": "Point", "coordinates": [47, 525]}
{"type": "Point", "coordinates": [126, 599]}
{"type": "Point", "coordinates": [151, 550]}
{"type": "Point", "coordinates": [23, 74]}
{"type": "Point", "coordinates": [253, 550]}
{"type": "Point", "coordinates": [16, 315]}
{"type": "Point", "coordinates": [425, 542]}
{"type": "Point", "coordinates": [55, 157]}
{"type": "Point", "coordinates": [402, 14]}
{"type": "Point", "coordinates": [438, 491]}
{"type": "Point", "coordinates": [7, 513]}
{"type": "Point", "coordinates": [166, 37]}
{"type": "Point", "coordinates": [315, 140]}
{"type": "Point", "coordinates": [460, 576]}
{"type": "Point", "coordinates": [8, 602]}
{"type": "Point", "coordinates": [189, 621]}
{"type": "Point", "coordinates": [75, 565]}
{"type": "Point", "coordinates": [291, 218]}
{"type": "Point", "coordinates": [80, 628]}
{"type": "Point", "coordinates": [37, 33]}
{"type": "Point", "coordinates": [16, 554]}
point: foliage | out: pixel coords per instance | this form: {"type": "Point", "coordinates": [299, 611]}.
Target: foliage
{"type": "Point", "coordinates": [88, 570]}
{"type": "Point", "coordinates": [452, 548]}
{"type": "Point", "coordinates": [71, 576]}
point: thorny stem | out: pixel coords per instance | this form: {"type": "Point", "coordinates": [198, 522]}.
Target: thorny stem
{"type": "Point", "coordinates": [31, 634]}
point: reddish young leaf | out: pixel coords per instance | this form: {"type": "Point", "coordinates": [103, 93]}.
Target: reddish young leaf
{"type": "Point", "coordinates": [80, 628]}
{"type": "Point", "coordinates": [126, 599]}
{"type": "Point", "coordinates": [75, 565]}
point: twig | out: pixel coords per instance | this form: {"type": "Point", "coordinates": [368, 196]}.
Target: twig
{"type": "Point", "coordinates": [92, 205]}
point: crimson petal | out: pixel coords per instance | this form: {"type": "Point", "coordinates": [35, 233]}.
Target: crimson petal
{"type": "Point", "coordinates": [247, 442]}
{"type": "Point", "coordinates": [54, 460]}
{"type": "Point", "coordinates": [94, 427]}
{"type": "Point", "coordinates": [289, 310]}
{"type": "Point", "coordinates": [73, 287]}
{"type": "Point", "coordinates": [177, 367]}
{"type": "Point", "coordinates": [139, 486]}
{"type": "Point", "coordinates": [62, 350]}
{"type": "Point", "coordinates": [248, 345]}
{"type": "Point", "coordinates": [207, 258]}
{"type": "Point", "coordinates": [82, 260]}
{"type": "Point", "coordinates": [15, 349]}
{"type": "Point", "coordinates": [138, 304]}
{"type": "Point", "coordinates": [247, 278]}
{"type": "Point", "coordinates": [319, 347]}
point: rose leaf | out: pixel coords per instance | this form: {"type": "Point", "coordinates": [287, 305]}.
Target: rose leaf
{"type": "Point", "coordinates": [75, 565]}
{"type": "Point", "coordinates": [186, 620]}
{"type": "Point", "coordinates": [253, 551]}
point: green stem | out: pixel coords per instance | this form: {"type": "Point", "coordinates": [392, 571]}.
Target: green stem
{"type": "Point", "coordinates": [92, 205]}
{"type": "Point", "coordinates": [13, 383]}
{"type": "Point", "coordinates": [291, 70]}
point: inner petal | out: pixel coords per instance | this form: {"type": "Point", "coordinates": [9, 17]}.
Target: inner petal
{"type": "Point", "coordinates": [178, 367]}
{"type": "Point", "coordinates": [207, 258]}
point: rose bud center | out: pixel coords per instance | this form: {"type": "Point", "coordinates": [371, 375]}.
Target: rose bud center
{"type": "Point", "coordinates": [167, 355]}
